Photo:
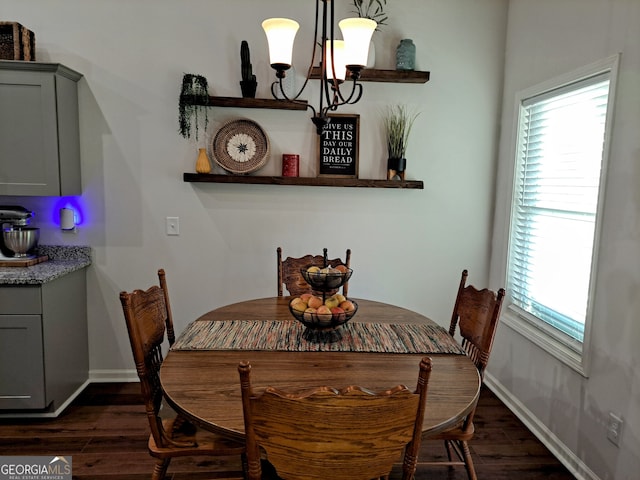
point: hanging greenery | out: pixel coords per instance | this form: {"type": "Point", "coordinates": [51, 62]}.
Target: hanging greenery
{"type": "Point", "coordinates": [194, 98]}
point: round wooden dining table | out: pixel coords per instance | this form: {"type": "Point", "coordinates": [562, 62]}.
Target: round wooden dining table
{"type": "Point", "coordinates": [204, 385]}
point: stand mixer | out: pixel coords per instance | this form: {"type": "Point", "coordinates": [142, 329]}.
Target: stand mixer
{"type": "Point", "coordinates": [17, 239]}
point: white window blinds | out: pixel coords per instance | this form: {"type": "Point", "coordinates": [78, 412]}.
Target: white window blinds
{"type": "Point", "coordinates": [559, 159]}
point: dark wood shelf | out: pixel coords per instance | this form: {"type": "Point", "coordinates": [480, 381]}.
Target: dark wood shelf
{"type": "Point", "coordinates": [302, 181]}
{"type": "Point", "coordinates": [385, 76]}
{"type": "Point", "coordinates": [242, 102]}
{"type": "Point", "coordinates": [367, 75]}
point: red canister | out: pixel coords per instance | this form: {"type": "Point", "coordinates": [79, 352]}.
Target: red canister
{"type": "Point", "coordinates": [290, 164]}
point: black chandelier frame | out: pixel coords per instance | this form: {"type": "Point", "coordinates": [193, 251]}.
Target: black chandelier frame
{"type": "Point", "coordinates": [331, 96]}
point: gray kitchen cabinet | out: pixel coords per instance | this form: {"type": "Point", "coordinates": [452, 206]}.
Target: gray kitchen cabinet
{"type": "Point", "coordinates": [39, 129]}
{"type": "Point", "coordinates": [44, 359]}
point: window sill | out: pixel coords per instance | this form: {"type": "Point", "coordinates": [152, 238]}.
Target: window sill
{"type": "Point", "coordinates": [545, 340]}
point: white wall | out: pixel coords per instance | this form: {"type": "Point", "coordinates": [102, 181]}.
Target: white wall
{"type": "Point", "coordinates": [408, 246]}
{"type": "Point", "coordinates": [545, 39]}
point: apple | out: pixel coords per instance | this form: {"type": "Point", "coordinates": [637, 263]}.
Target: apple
{"type": "Point", "coordinates": [330, 271]}
{"type": "Point", "coordinates": [332, 302]}
{"type": "Point", "coordinates": [341, 268]}
{"type": "Point", "coordinates": [331, 277]}
{"type": "Point", "coordinates": [306, 297]}
{"type": "Point", "coordinates": [314, 275]}
{"type": "Point", "coordinates": [324, 314]}
{"type": "Point", "coordinates": [327, 272]}
{"type": "Point", "coordinates": [347, 306]}
{"type": "Point", "coordinates": [341, 298]}
{"type": "Point", "coordinates": [338, 314]}
{"type": "Point", "coordinates": [313, 272]}
{"type": "Point", "coordinates": [314, 301]}
{"type": "Point", "coordinates": [298, 304]}
{"type": "Point", "coordinates": [309, 314]}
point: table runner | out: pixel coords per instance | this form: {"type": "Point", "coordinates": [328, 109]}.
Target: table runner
{"type": "Point", "coordinates": [290, 336]}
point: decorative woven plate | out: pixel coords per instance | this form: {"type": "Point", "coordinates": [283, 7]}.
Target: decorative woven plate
{"type": "Point", "coordinates": [240, 146]}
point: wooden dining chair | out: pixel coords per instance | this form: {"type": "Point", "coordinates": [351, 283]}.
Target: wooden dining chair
{"type": "Point", "coordinates": [475, 316]}
{"type": "Point", "coordinates": [290, 277]}
{"type": "Point", "coordinates": [148, 316]}
{"type": "Point", "coordinates": [324, 433]}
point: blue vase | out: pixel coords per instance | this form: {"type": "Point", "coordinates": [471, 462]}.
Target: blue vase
{"type": "Point", "coordinates": [406, 55]}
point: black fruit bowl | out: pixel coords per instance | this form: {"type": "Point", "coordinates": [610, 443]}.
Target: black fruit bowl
{"type": "Point", "coordinates": [321, 322]}
{"type": "Point", "coordinates": [326, 281]}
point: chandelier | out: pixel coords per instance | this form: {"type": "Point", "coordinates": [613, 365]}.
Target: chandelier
{"type": "Point", "coordinates": [338, 58]}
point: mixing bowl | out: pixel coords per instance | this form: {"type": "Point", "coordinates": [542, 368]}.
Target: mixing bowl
{"type": "Point", "coordinates": [21, 240]}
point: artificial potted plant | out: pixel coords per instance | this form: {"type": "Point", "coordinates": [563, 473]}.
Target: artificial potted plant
{"type": "Point", "coordinates": [194, 98]}
{"type": "Point", "coordinates": [192, 106]}
{"type": "Point", "coordinates": [398, 122]}
{"type": "Point", "coordinates": [373, 10]}
{"type": "Point", "coordinates": [248, 84]}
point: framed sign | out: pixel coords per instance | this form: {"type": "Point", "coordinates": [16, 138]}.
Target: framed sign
{"type": "Point", "coordinates": [338, 147]}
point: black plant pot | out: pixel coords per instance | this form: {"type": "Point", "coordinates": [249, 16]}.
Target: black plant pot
{"type": "Point", "coordinates": [248, 88]}
{"type": "Point", "coordinates": [395, 168]}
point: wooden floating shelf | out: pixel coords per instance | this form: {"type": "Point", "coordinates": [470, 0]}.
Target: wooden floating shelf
{"type": "Point", "coordinates": [242, 102]}
{"type": "Point", "coordinates": [385, 76]}
{"type": "Point", "coordinates": [302, 181]}
{"type": "Point", "coordinates": [367, 75]}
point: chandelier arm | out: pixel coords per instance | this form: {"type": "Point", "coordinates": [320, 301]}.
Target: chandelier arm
{"type": "Point", "coordinates": [332, 107]}
{"type": "Point", "coordinates": [324, 90]}
{"type": "Point", "coordinates": [277, 85]}
{"type": "Point", "coordinates": [357, 87]}
{"type": "Point", "coordinates": [313, 56]}
{"type": "Point", "coordinates": [334, 104]}
{"type": "Point", "coordinates": [335, 83]}
{"type": "Point", "coordinates": [273, 89]}
{"type": "Point", "coordinates": [313, 110]}
{"type": "Point", "coordinates": [333, 58]}
{"type": "Point", "coordinates": [360, 90]}
{"type": "Point", "coordinates": [310, 69]}
{"type": "Point", "coordinates": [356, 92]}
{"type": "Point", "coordinates": [327, 90]}
{"type": "Point", "coordinates": [336, 88]}
{"type": "Point", "coordinates": [315, 42]}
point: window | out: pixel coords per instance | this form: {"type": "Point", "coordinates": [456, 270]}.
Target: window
{"type": "Point", "coordinates": [560, 157]}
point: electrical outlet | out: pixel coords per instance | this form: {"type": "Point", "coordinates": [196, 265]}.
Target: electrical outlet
{"type": "Point", "coordinates": [173, 226]}
{"type": "Point", "coordinates": [615, 428]}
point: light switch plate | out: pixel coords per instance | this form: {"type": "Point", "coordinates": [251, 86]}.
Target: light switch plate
{"type": "Point", "coordinates": [173, 226]}
{"type": "Point", "coordinates": [614, 429]}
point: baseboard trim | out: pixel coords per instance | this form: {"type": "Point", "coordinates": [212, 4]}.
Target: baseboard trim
{"type": "Point", "coordinates": [51, 414]}
{"type": "Point", "coordinates": [95, 376]}
{"type": "Point", "coordinates": [576, 466]}
{"type": "Point", "coordinates": [113, 376]}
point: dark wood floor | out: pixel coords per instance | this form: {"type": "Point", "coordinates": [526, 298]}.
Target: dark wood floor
{"type": "Point", "coordinates": [105, 432]}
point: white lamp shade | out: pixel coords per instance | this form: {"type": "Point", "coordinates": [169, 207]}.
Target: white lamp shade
{"type": "Point", "coordinates": [357, 36]}
{"type": "Point", "coordinates": [338, 57]}
{"type": "Point", "coordinates": [280, 34]}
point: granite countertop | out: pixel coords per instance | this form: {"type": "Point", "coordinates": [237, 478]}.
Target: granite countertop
{"type": "Point", "coordinates": [62, 260]}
